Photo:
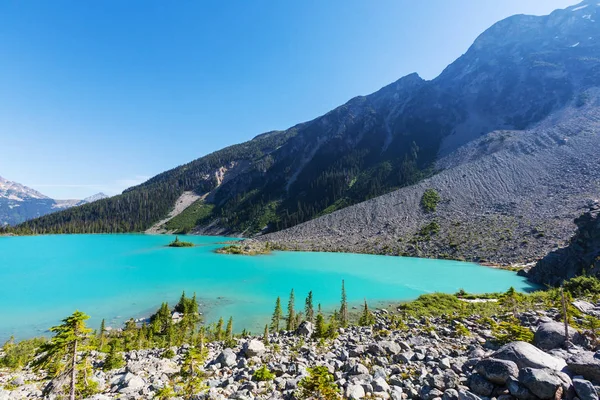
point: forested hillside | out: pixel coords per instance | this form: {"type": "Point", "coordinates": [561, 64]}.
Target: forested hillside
{"type": "Point", "coordinates": [515, 75]}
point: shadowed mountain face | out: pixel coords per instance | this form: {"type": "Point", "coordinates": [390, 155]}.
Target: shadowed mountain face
{"type": "Point", "coordinates": [518, 73]}
{"type": "Point", "coordinates": [19, 203]}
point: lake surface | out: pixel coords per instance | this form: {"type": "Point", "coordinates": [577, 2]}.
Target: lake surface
{"type": "Point", "coordinates": [45, 278]}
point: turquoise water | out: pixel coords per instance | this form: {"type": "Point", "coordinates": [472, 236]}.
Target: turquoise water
{"type": "Point", "coordinates": [45, 278]}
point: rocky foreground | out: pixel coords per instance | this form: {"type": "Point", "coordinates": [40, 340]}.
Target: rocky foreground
{"type": "Point", "coordinates": [427, 359]}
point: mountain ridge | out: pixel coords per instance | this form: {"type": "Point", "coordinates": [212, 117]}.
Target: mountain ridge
{"type": "Point", "coordinates": [522, 71]}
{"type": "Point", "coordinates": [19, 203]}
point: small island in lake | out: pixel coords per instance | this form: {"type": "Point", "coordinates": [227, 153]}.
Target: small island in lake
{"type": "Point", "coordinates": [179, 243]}
{"type": "Point", "coordinates": [248, 248]}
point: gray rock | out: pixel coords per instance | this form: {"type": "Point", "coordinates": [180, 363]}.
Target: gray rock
{"type": "Point", "coordinates": [305, 329]}
{"type": "Point", "coordinates": [380, 385]}
{"type": "Point", "coordinates": [131, 383]}
{"type": "Point", "coordinates": [450, 394]}
{"type": "Point", "coordinates": [254, 348]}
{"type": "Point", "coordinates": [358, 369]}
{"type": "Point", "coordinates": [227, 358]}
{"type": "Point", "coordinates": [391, 348]}
{"type": "Point", "coordinates": [585, 363]}
{"type": "Point", "coordinates": [466, 395]}
{"type": "Point", "coordinates": [527, 355]}
{"type": "Point", "coordinates": [551, 335]}
{"type": "Point", "coordinates": [497, 371]}
{"type": "Point", "coordinates": [481, 386]}
{"type": "Point", "coordinates": [355, 392]}
{"type": "Point", "coordinates": [584, 389]}
{"type": "Point", "coordinates": [406, 357]}
{"type": "Point", "coordinates": [541, 382]}
{"type": "Point", "coordinates": [519, 391]}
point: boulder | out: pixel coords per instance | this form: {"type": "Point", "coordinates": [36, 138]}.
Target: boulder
{"type": "Point", "coordinates": [584, 389]}
{"type": "Point", "coordinates": [551, 335]}
{"type": "Point", "coordinates": [519, 391]}
{"type": "Point", "coordinates": [358, 369]}
{"type": "Point", "coordinates": [450, 394]}
{"type": "Point", "coordinates": [131, 383]}
{"type": "Point", "coordinates": [585, 363]}
{"type": "Point", "coordinates": [305, 329]}
{"type": "Point", "coordinates": [380, 385]}
{"type": "Point", "coordinates": [391, 348]}
{"type": "Point", "coordinates": [227, 358]}
{"type": "Point", "coordinates": [497, 371]}
{"type": "Point", "coordinates": [254, 348]}
{"type": "Point", "coordinates": [481, 386]}
{"type": "Point", "coordinates": [543, 382]}
{"type": "Point", "coordinates": [466, 395]}
{"type": "Point", "coordinates": [355, 392]}
{"type": "Point", "coordinates": [526, 355]}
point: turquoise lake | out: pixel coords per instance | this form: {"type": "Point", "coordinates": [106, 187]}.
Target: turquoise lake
{"type": "Point", "coordinates": [45, 278]}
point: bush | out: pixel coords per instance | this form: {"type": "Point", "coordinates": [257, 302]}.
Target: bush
{"type": "Point", "coordinates": [168, 353]}
{"type": "Point", "coordinates": [113, 360]}
{"type": "Point", "coordinates": [430, 200]}
{"type": "Point", "coordinates": [319, 384]}
{"type": "Point", "coordinates": [461, 331]}
{"type": "Point", "coordinates": [583, 286]}
{"type": "Point", "coordinates": [511, 330]}
{"type": "Point", "coordinates": [263, 374]}
{"type": "Point", "coordinates": [18, 355]}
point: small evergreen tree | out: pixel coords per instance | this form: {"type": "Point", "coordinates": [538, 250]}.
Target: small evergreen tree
{"type": "Point", "coordinates": [320, 328]}
{"type": "Point", "coordinates": [344, 308]}
{"type": "Point", "coordinates": [277, 316]}
{"type": "Point", "coordinates": [291, 316]}
{"type": "Point", "coordinates": [69, 337]}
{"type": "Point", "coordinates": [319, 384]}
{"type": "Point", "coordinates": [219, 330]}
{"type": "Point", "coordinates": [229, 329]}
{"type": "Point", "coordinates": [102, 335]}
{"type": "Point", "coordinates": [308, 307]}
{"type": "Point", "coordinates": [366, 318]}
{"type": "Point", "coordinates": [114, 359]}
{"type": "Point", "coordinates": [266, 335]}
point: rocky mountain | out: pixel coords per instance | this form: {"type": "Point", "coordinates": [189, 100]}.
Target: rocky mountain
{"type": "Point", "coordinates": [487, 134]}
{"type": "Point", "coordinates": [19, 203]}
{"type": "Point", "coordinates": [582, 255]}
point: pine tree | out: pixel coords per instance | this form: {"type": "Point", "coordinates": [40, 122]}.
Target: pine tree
{"type": "Point", "coordinates": [102, 335]}
{"type": "Point", "coordinates": [308, 307]}
{"type": "Point", "coordinates": [266, 335]}
{"type": "Point", "coordinates": [291, 316]}
{"type": "Point", "coordinates": [366, 318]}
{"type": "Point", "coordinates": [71, 335]}
{"type": "Point", "coordinates": [277, 316]}
{"type": "Point", "coordinates": [343, 308]}
{"type": "Point", "coordinates": [320, 328]}
{"type": "Point", "coordinates": [229, 329]}
{"type": "Point", "coordinates": [219, 330]}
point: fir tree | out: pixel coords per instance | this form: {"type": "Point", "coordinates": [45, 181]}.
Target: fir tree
{"type": "Point", "coordinates": [291, 316]}
{"type": "Point", "coordinates": [229, 329]}
{"type": "Point", "coordinates": [343, 308]}
{"type": "Point", "coordinates": [266, 335]}
{"type": "Point", "coordinates": [219, 330]}
{"type": "Point", "coordinates": [308, 307]}
{"type": "Point", "coordinates": [113, 359]}
{"type": "Point", "coordinates": [102, 335]}
{"type": "Point", "coordinates": [366, 318]}
{"type": "Point", "coordinates": [69, 337]}
{"type": "Point", "coordinates": [320, 328]}
{"type": "Point", "coordinates": [277, 316]}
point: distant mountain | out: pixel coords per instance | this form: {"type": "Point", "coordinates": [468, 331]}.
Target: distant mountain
{"type": "Point", "coordinates": [528, 84]}
{"type": "Point", "coordinates": [19, 203]}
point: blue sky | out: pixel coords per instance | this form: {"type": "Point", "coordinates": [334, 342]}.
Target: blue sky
{"type": "Point", "coordinates": [99, 95]}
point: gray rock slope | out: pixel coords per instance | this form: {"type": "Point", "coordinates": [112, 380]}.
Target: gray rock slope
{"type": "Point", "coordinates": [508, 197]}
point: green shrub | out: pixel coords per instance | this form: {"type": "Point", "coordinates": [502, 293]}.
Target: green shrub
{"type": "Point", "coordinates": [511, 330]}
{"type": "Point", "coordinates": [263, 374]}
{"type": "Point", "coordinates": [583, 286]}
{"type": "Point", "coordinates": [18, 355]}
{"type": "Point", "coordinates": [461, 331]}
{"type": "Point", "coordinates": [168, 353]}
{"type": "Point", "coordinates": [113, 360]}
{"type": "Point", "coordinates": [430, 229]}
{"type": "Point", "coordinates": [319, 384]}
{"type": "Point", "coordinates": [430, 200]}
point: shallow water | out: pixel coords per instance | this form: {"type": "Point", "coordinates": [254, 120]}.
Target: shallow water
{"type": "Point", "coordinates": [45, 278]}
